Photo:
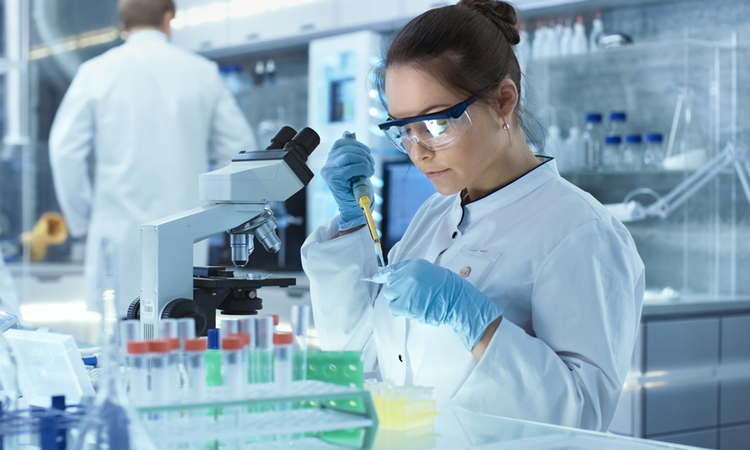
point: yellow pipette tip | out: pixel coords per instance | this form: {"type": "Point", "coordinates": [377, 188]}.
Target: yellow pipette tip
{"type": "Point", "coordinates": [364, 203]}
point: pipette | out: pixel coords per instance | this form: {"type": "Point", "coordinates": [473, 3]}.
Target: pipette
{"type": "Point", "coordinates": [361, 190]}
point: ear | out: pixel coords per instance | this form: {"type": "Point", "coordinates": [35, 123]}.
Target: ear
{"type": "Point", "coordinates": [165, 22]}
{"type": "Point", "coordinates": [506, 96]}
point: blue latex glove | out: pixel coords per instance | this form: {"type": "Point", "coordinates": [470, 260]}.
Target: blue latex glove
{"type": "Point", "coordinates": [347, 159]}
{"type": "Point", "coordinates": [428, 293]}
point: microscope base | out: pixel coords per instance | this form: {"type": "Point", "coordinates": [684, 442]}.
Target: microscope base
{"type": "Point", "coordinates": [215, 288]}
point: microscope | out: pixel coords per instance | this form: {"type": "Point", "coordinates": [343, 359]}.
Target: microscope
{"type": "Point", "coordinates": [170, 286]}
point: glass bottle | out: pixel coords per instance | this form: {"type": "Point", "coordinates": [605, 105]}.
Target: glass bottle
{"type": "Point", "coordinates": [632, 153]}
{"type": "Point", "coordinates": [653, 155]}
{"type": "Point", "coordinates": [593, 137]}
{"type": "Point", "coordinates": [611, 153]}
{"type": "Point", "coordinates": [617, 121]}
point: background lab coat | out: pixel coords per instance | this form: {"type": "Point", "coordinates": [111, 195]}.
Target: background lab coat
{"type": "Point", "coordinates": [148, 109]}
{"type": "Point", "coordinates": [8, 298]}
{"type": "Point", "coordinates": [567, 273]}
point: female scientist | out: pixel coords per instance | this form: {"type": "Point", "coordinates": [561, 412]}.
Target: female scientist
{"type": "Point", "coordinates": [543, 325]}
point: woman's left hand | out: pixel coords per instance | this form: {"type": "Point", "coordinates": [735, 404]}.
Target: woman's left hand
{"type": "Point", "coordinates": [434, 295]}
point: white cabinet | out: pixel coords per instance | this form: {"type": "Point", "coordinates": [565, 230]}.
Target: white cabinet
{"type": "Point", "coordinates": [417, 7]}
{"type": "Point", "coordinates": [362, 12]}
{"type": "Point", "coordinates": [201, 24]}
{"type": "Point", "coordinates": [310, 16]}
{"type": "Point", "coordinates": [252, 21]}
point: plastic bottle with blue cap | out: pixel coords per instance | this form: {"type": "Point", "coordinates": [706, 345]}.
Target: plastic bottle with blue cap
{"type": "Point", "coordinates": [632, 153]}
{"type": "Point", "coordinates": [612, 152]}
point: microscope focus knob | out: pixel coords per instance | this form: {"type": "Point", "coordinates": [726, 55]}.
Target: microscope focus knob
{"type": "Point", "coordinates": [134, 310]}
{"type": "Point", "coordinates": [184, 307]}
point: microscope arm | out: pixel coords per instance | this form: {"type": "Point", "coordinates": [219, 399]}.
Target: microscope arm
{"type": "Point", "coordinates": [167, 253]}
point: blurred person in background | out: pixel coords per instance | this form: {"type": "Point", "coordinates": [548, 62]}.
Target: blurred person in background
{"type": "Point", "coordinates": [153, 114]}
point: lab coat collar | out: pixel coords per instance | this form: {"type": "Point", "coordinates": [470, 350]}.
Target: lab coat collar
{"type": "Point", "coordinates": [147, 35]}
{"type": "Point", "coordinates": [506, 195]}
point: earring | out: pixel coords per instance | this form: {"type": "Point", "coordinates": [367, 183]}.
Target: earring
{"type": "Point", "coordinates": [507, 128]}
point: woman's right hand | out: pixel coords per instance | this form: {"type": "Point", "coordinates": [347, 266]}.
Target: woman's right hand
{"type": "Point", "coordinates": [348, 159]}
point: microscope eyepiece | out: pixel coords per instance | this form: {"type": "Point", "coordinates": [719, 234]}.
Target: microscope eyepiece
{"type": "Point", "coordinates": [282, 137]}
{"type": "Point", "coordinates": [303, 143]}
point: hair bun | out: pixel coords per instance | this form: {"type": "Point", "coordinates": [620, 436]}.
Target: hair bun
{"type": "Point", "coordinates": [503, 14]}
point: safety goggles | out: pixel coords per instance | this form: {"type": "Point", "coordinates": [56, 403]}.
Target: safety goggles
{"type": "Point", "coordinates": [434, 131]}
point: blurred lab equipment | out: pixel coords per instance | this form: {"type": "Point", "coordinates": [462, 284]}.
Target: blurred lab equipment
{"type": "Point", "coordinates": [50, 229]}
{"type": "Point", "coordinates": [110, 422]}
{"type": "Point", "coordinates": [61, 373]}
{"type": "Point", "coordinates": [732, 156]}
{"type": "Point", "coordinates": [597, 31]}
{"type": "Point", "coordinates": [614, 40]}
{"type": "Point", "coordinates": [566, 38]}
{"type": "Point", "coordinates": [341, 98]}
{"type": "Point", "coordinates": [238, 194]}
{"type": "Point", "coordinates": [7, 321]}
{"type": "Point", "coordinates": [10, 391]}
{"type": "Point", "coordinates": [399, 210]}
{"type": "Point", "coordinates": [578, 43]}
{"type": "Point", "coordinates": [147, 110]}
{"type": "Point", "coordinates": [8, 296]}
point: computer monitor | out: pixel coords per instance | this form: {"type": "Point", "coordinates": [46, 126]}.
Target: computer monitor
{"type": "Point", "coordinates": [405, 190]}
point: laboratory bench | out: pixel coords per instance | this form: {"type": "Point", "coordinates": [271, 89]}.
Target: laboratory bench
{"type": "Point", "coordinates": [457, 428]}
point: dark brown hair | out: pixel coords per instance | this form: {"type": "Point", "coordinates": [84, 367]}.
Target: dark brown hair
{"type": "Point", "coordinates": [143, 13]}
{"type": "Point", "coordinates": [467, 47]}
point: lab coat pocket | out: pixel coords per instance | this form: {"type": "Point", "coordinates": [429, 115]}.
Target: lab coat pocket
{"type": "Point", "coordinates": [474, 263]}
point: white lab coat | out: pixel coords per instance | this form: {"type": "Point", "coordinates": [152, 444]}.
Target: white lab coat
{"type": "Point", "coordinates": [8, 296]}
{"type": "Point", "coordinates": [566, 272]}
{"type": "Point", "coordinates": [149, 110]}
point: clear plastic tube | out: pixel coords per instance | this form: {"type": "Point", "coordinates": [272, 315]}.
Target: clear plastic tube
{"type": "Point", "coordinates": [228, 327]}
{"type": "Point", "coordinates": [161, 372]}
{"type": "Point", "coordinates": [247, 325]}
{"type": "Point", "coordinates": [300, 324]}
{"type": "Point", "coordinates": [195, 367]}
{"type": "Point", "coordinates": [130, 330]}
{"type": "Point", "coordinates": [168, 331]}
{"type": "Point", "coordinates": [245, 340]}
{"type": "Point", "coordinates": [282, 361]}
{"type": "Point", "coordinates": [264, 349]}
{"type": "Point", "coordinates": [232, 368]}
{"type": "Point", "coordinates": [138, 368]}
{"type": "Point", "coordinates": [185, 331]}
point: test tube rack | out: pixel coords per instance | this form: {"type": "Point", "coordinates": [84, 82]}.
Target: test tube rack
{"type": "Point", "coordinates": [306, 410]}
{"type": "Point", "coordinates": [40, 428]}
